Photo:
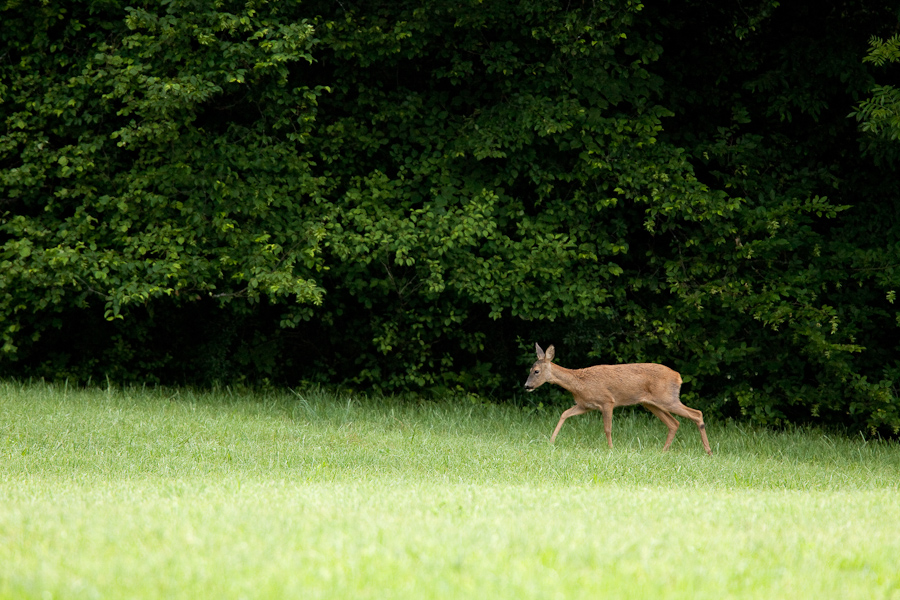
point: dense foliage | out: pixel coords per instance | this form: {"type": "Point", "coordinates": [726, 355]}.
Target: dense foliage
{"type": "Point", "coordinates": [407, 195]}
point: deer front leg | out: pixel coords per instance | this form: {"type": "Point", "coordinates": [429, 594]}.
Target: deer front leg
{"type": "Point", "coordinates": [575, 410]}
{"type": "Point", "coordinates": [607, 409]}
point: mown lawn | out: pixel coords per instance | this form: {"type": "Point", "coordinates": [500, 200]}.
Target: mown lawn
{"type": "Point", "coordinates": [178, 494]}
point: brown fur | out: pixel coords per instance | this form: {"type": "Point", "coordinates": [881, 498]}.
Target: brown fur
{"type": "Point", "coordinates": [603, 387]}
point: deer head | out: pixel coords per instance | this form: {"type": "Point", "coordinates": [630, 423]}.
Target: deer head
{"type": "Point", "coordinates": [540, 370]}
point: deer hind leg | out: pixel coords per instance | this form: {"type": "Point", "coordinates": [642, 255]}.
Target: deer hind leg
{"type": "Point", "coordinates": [668, 420]}
{"type": "Point", "coordinates": [694, 415]}
{"type": "Point", "coordinates": [575, 410]}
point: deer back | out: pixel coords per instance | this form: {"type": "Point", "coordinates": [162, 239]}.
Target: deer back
{"type": "Point", "coordinates": [627, 383]}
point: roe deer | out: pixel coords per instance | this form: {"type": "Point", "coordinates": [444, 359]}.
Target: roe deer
{"type": "Point", "coordinates": [604, 387]}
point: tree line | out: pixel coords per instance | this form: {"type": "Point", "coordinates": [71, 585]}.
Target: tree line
{"type": "Point", "coordinates": [407, 195]}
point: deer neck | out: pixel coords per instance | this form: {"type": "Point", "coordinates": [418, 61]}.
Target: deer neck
{"type": "Point", "coordinates": [566, 378]}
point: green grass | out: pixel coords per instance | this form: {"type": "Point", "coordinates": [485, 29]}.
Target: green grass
{"type": "Point", "coordinates": [175, 494]}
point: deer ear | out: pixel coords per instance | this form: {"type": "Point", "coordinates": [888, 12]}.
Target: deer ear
{"type": "Point", "coordinates": [550, 352]}
{"type": "Point", "coordinates": [540, 353]}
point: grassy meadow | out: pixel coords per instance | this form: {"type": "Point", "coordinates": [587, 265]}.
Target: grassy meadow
{"type": "Point", "coordinates": [130, 493]}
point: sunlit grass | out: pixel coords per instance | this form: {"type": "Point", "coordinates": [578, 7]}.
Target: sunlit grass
{"type": "Point", "coordinates": [177, 494]}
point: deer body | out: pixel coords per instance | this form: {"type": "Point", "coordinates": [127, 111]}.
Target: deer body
{"type": "Point", "coordinates": [603, 387]}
